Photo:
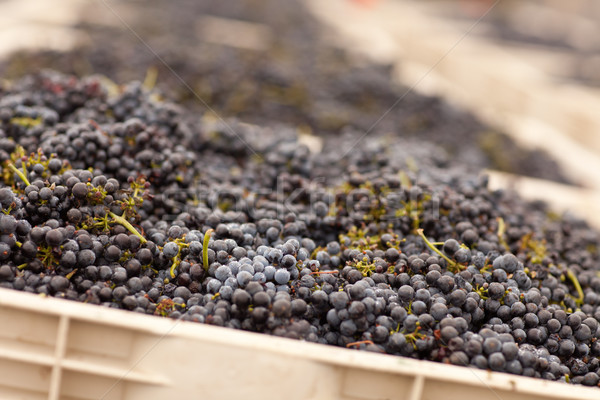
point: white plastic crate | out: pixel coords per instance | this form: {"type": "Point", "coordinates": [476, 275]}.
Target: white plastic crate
{"type": "Point", "coordinates": [54, 349]}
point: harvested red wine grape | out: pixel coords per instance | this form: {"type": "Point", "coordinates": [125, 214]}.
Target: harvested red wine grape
{"type": "Point", "coordinates": [120, 198]}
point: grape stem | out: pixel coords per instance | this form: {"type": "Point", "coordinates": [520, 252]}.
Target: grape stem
{"type": "Point", "coordinates": [205, 248]}
{"type": "Point", "coordinates": [501, 230]}
{"type": "Point", "coordinates": [580, 295]}
{"type": "Point", "coordinates": [357, 344]}
{"type": "Point", "coordinates": [70, 274]}
{"type": "Point", "coordinates": [19, 173]}
{"type": "Point", "coordinates": [120, 220]}
{"type": "Point", "coordinates": [432, 247]}
{"type": "Point", "coordinates": [176, 263]}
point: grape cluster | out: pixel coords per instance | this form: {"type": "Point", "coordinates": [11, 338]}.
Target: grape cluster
{"type": "Point", "coordinates": [126, 200]}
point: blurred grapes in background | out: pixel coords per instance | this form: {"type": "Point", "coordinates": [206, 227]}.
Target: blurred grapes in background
{"type": "Point", "coordinates": [272, 62]}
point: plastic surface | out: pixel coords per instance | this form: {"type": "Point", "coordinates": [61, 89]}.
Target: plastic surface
{"type": "Point", "coordinates": [54, 349]}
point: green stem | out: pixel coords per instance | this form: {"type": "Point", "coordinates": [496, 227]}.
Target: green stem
{"type": "Point", "coordinates": [573, 278]}
{"type": "Point", "coordinates": [501, 230]}
{"type": "Point", "coordinates": [19, 173]}
{"type": "Point", "coordinates": [432, 247]}
{"type": "Point", "coordinates": [126, 224]}
{"type": "Point", "coordinates": [150, 79]}
{"type": "Point", "coordinates": [70, 274]}
{"type": "Point", "coordinates": [205, 248]}
{"type": "Point", "coordinates": [176, 262]}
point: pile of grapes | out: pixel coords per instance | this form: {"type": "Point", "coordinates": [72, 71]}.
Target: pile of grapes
{"type": "Point", "coordinates": [297, 78]}
{"type": "Point", "coordinates": [117, 197]}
